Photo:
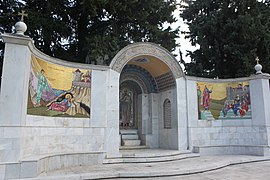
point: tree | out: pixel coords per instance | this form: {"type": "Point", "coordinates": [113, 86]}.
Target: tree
{"type": "Point", "coordinates": [7, 10]}
{"type": "Point", "coordinates": [87, 30]}
{"type": "Point", "coordinates": [230, 33]}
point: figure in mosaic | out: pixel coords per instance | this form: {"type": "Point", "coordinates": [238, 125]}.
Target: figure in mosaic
{"type": "Point", "coordinates": [53, 91]}
{"type": "Point", "coordinates": [42, 84]}
{"type": "Point", "coordinates": [62, 104]}
{"type": "Point", "coordinates": [199, 97]}
{"type": "Point", "coordinates": [125, 102]}
{"type": "Point", "coordinates": [206, 98]}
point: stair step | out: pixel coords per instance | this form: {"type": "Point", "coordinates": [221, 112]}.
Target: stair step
{"type": "Point", "coordinates": [127, 142]}
{"type": "Point", "coordinates": [150, 159]}
{"type": "Point", "coordinates": [133, 147]}
{"type": "Point", "coordinates": [128, 131]}
{"type": "Point", "coordinates": [130, 137]}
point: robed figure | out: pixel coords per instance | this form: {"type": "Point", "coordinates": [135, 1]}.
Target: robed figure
{"type": "Point", "coordinates": [125, 103]}
{"type": "Point", "coordinates": [206, 98]}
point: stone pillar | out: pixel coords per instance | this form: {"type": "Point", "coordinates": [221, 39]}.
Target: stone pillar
{"type": "Point", "coordinates": [153, 140]}
{"type": "Point", "coordinates": [182, 114]}
{"type": "Point", "coordinates": [145, 113]}
{"type": "Point", "coordinates": [98, 99]}
{"type": "Point", "coordinates": [14, 95]}
{"type": "Point", "coordinates": [260, 101]}
{"type": "Point", "coordinates": [112, 106]}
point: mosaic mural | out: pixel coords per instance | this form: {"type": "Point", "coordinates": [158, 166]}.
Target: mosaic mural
{"type": "Point", "coordinates": [223, 100]}
{"type": "Point", "coordinates": [56, 90]}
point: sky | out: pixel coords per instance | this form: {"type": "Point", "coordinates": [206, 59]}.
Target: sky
{"type": "Point", "coordinates": [184, 43]}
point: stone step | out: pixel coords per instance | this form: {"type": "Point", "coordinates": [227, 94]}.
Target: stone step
{"type": "Point", "coordinates": [130, 137]}
{"type": "Point", "coordinates": [152, 159]}
{"type": "Point", "coordinates": [127, 142]}
{"type": "Point", "coordinates": [128, 131]}
{"type": "Point", "coordinates": [133, 147]}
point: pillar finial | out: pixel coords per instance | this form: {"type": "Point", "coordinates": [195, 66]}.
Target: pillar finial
{"type": "Point", "coordinates": [258, 67]}
{"type": "Point", "coordinates": [22, 14]}
{"type": "Point", "coordinates": [20, 26]}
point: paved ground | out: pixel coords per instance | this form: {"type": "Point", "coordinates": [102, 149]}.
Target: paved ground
{"type": "Point", "coordinates": [221, 167]}
{"type": "Point", "coordinates": [249, 171]}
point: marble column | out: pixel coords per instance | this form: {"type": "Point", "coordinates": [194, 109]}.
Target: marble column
{"type": "Point", "coordinates": [14, 95]}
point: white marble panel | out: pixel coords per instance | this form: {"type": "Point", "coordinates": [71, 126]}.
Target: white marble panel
{"type": "Point", "coordinates": [112, 142]}
{"type": "Point", "coordinates": [12, 132]}
{"type": "Point", "coordinates": [98, 131]}
{"type": "Point", "coordinates": [183, 141]}
{"type": "Point", "coordinates": [268, 135]}
{"type": "Point", "coordinates": [144, 113]}
{"type": "Point", "coordinates": [28, 169]}
{"type": "Point", "coordinates": [139, 117]}
{"type": "Point", "coordinates": [2, 171]}
{"type": "Point", "coordinates": [15, 78]}
{"type": "Point", "coordinates": [181, 102]}
{"type": "Point", "coordinates": [112, 98]}
{"type": "Point", "coordinates": [113, 78]}
{"type": "Point", "coordinates": [1, 131]}
{"type": "Point", "coordinates": [34, 120]}
{"type": "Point", "coordinates": [259, 91]}
{"type": "Point", "coordinates": [112, 123]}
{"type": "Point", "coordinates": [12, 171]}
{"type": "Point", "coordinates": [112, 114]}
{"type": "Point", "coordinates": [98, 98]}
{"type": "Point", "coordinates": [152, 141]}
{"type": "Point", "coordinates": [192, 103]}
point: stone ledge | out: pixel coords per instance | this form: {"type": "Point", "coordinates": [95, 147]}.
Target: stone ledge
{"type": "Point", "coordinates": [153, 159]}
{"type": "Point", "coordinates": [111, 172]}
{"type": "Point", "coordinates": [258, 150]}
{"type": "Point", "coordinates": [33, 166]}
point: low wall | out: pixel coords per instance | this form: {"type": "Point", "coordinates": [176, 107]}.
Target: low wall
{"type": "Point", "coordinates": [232, 134]}
{"type": "Point", "coordinates": [34, 166]}
{"type": "Point", "coordinates": [233, 150]}
{"type": "Point", "coordinates": [43, 135]}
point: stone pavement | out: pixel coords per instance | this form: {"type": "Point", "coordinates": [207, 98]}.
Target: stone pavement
{"type": "Point", "coordinates": [206, 168]}
{"type": "Point", "coordinates": [247, 171]}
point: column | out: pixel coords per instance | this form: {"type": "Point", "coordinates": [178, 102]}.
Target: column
{"type": "Point", "coordinates": [14, 95]}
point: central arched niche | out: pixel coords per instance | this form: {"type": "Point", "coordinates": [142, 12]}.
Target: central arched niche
{"type": "Point", "coordinates": [152, 82]}
{"type": "Point", "coordinates": [135, 50]}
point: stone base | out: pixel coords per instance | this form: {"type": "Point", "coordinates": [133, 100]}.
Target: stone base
{"type": "Point", "coordinates": [33, 166]}
{"type": "Point", "coordinates": [233, 150]}
{"type": "Point", "coordinates": [130, 137]}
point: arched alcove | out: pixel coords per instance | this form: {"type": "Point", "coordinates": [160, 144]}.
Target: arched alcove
{"type": "Point", "coordinates": [149, 72]}
{"type": "Point", "coordinates": [146, 49]}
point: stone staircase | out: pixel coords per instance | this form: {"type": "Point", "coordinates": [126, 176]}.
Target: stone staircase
{"type": "Point", "coordinates": [149, 156]}
{"type": "Point", "coordinates": [130, 138]}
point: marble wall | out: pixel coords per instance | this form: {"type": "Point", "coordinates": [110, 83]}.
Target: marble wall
{"type": "Point", "coordinates": [230, 132]}
{"type": "Point", "coordinates": [58, 91]}
{"type": "Point", "coordinates": [25, 135]}
{"type": "Point", "coordinates": [45, 135]}
{"type": "Point", "coordinates": [168, 137]}
{"type": "Point", "coordinates": [49, 138]}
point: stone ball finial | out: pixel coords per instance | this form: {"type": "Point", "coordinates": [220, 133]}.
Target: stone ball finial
{"type": "Point", "coordinates": [258, 67]}
{"type": "Point", "coordinates": [20, 28]}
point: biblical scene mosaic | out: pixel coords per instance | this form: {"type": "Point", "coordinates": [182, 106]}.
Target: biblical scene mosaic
{"type": "Point", "coordinates": [223, 100]}
{"type": "Point", "coordinates": [56, 90]}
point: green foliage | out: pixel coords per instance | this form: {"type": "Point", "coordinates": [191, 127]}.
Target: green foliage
{"type": "Point", "coordinates": [230, 33]}
{"type": "Point", "coordinates": [87, 30]}
{"type": "Point", "coordinates": [7, 10]}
